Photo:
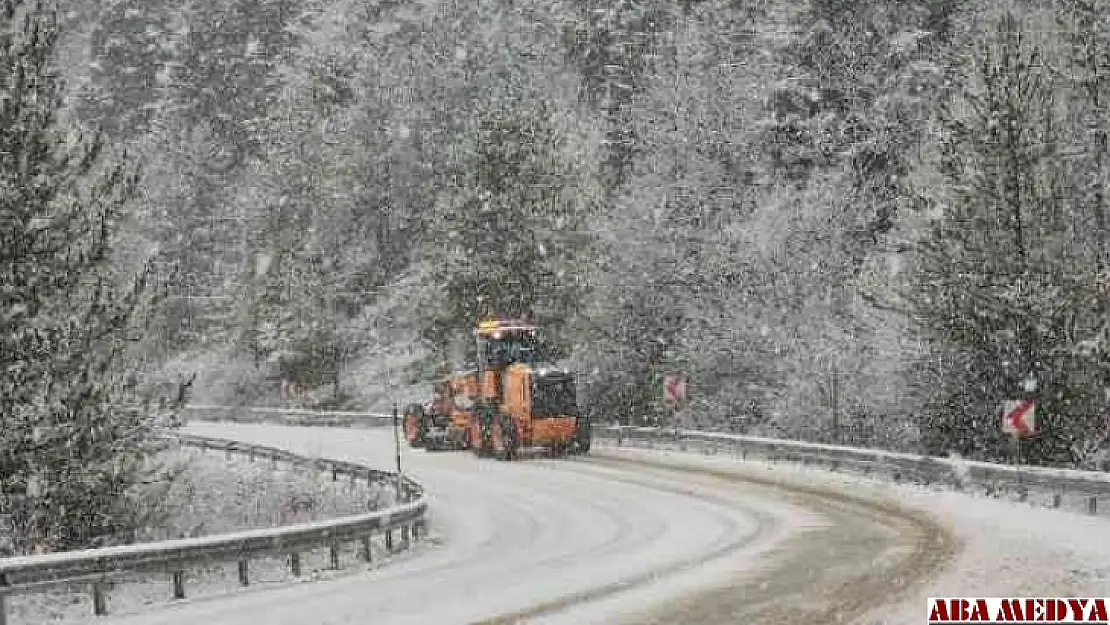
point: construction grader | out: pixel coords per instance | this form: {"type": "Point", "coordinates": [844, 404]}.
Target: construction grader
{"type": "Point", "coordinates": [444, 422]}
{"type": "Point", "coordinates": [509, 404]}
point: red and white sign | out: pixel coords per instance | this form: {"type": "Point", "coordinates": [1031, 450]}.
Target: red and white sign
{"type": "Point", "coordinates": [963, 610]}
{"type": "Point", "coordinates": [674, 388]}
{"type": "Point", "coordinates": [1019, 417]}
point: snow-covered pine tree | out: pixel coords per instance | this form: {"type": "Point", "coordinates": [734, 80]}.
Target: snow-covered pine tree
{"type": "Point", "coordinates": [613, 47]}
{"type": "Point", "coordinates": [1006, 279]}
{"type": "Point", "coordinates": [78, 463]}
{"type": "Point", "coordinates": [505, 237]}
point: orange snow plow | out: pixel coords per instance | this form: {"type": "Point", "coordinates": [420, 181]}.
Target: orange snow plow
{"type": "Point", "coordinates": [522, 404]}
{"type": "Point", "coordinates": [509, 404]}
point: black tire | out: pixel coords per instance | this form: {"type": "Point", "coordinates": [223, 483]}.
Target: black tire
{"type": "Point", "coordinates": [584, 447]}
{"type": "Point", "coordinates": [582, 437]}
{"type": "Point", "coordinates": [427, 424]}
{"type": "Point", "coordinates": [508, 436]}
{"type": "Point", "coordinates": [485, 431]}
{"type": "Point", "coordinates": [470, 443]}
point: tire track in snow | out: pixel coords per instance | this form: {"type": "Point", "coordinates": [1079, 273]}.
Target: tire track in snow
{"type": "Point", "coordinates": [835, 575]}
{"type": "Point", "coordinates": [736, 541]}
{"type": "Point", "coordinates": [516, 535]}
{"type": "Point", "coordinates": [543, 541]}
{"type": "Point", "coordinates": [527, 509]}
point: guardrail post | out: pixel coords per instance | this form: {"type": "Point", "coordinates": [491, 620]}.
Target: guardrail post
{"type": "Point", "coordinates": [4, 599]}
{"type": "Point", "coordinates": [1092, 504]}
{"type": "Point", "coordinates": [1057, 500]}
{"type": "Point", "coordinates": [389, 540]}
{"type": "Point", "coordinates": [366, 553]}
{"type": "Point", "coordinates": [178, 578]}
{"type": "Point", "coordinates": [244, 572]}
{"type": "Point", "coordinates": [333, 555]}
{"type": "Point", "coordinates": [295, 564]}
{"type": "Point", "coordinates": [100, 601]}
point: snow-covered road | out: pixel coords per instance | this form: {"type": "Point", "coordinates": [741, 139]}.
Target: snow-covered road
{"type": "Point", "coordinates": [636, 537]}
{"type": "Point", "coordinates": [538, 537]}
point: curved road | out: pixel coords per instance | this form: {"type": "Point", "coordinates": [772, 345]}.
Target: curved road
{"type": "Point", "coordinates": [583, 540]}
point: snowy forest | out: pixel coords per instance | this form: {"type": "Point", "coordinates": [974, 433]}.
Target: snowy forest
{"type": "Point", "coordinates": [845, 221]}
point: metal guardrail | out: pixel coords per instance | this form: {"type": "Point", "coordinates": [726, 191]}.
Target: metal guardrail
{"type": "Point", "coordinates": [990, 477]}
{"type": "Point", "coordinates": [960, 474]}
{"type": "Point", "coordinates": [286, 416]}
{"type": "Point", "coordinates": [98, 566]}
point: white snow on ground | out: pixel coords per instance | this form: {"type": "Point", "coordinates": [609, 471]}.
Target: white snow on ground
{"type": "Point", "coordinates": [1009, 548]}
{"type": "Point", "coordinates": [217, 494]}
{"type": "Point", "coordinates": [520, 534]}
{"type": "Point", "coordinates": [515, 535]}
{"type": "Point", "coordinates": [781, 522]}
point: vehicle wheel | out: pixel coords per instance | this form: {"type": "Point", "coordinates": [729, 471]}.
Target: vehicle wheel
{"type": "Point", "coordinates": [484, 449]}
{"type": "Point", "coordinates": [470, 440]}
{"type": "Point", "coordinates": [584, 446]}
{"type": "Point", "coordinates": [500, 442]}
{"type": "Point", "coordinates": [509, 439]}
{"type": "Point", "coordinates": [582, 437]}
{"type": "Point", "coordinates": [428, 425]}
{"type": "Point", "coordinates": [474, 438]}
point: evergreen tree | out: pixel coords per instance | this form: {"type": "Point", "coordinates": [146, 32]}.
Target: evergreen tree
{"type": "Point", "coordinates": [1005, 287]}
{"type": "Point", "coordinates": [77, 421]}
{"type": "Point", "coordinates": [504, 238]}
{"type": "Point", "coordinates": [613, 46]}
{"type": "Point", "coordinates": [1086, 66]}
